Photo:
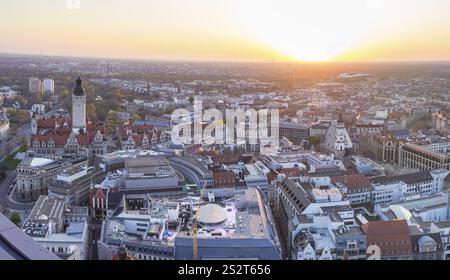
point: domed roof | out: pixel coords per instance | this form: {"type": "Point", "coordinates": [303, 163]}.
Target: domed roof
{"type": "Point", "coordinates": [211, 214]}
{"type": "Point", "coordinates": [401, 213]}
{"type": "Point", "coordinates": [425, 240]}
{"type": "Point", "coordinates": [79, 90]}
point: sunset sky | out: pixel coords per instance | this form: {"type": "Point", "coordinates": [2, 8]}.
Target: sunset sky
{"type": "Point", "coordinates": [230, 30]}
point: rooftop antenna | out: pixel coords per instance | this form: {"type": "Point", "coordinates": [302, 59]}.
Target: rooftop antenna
{"type": "Point", "coordinates": [195, 238]}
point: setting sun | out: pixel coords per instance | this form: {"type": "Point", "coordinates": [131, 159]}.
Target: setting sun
{"type": "Point", "coordinates": [308, 30]}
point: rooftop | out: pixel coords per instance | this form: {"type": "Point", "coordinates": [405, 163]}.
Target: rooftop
{"type": "Point", "coordinates": [239, 216]}
{"type": "Point", "coordinates": [354, 182]}
{"type": "Point", "coordinates": [72, 174]}
{"type": "Point", "coordinates": [36, 162]}
{"type": "Point", "coordinates": [121, 154]}
{"type": "Point", "coordinates": [211, 214]}
{"type": "Point", "coordinates": [393, 227]}
{"type": "Point", "coordinates": [16, 245]}
{"type": "Point", "coordinates": [148, 167]}
{"type": "Point", "coordinates": [295, 194]}
{"type": "Point", "coordinates": [348, 231]}
{"type": "Point", "coordinates": [410, 178]}
{"type": "Point", "coordinates": [47, 208]}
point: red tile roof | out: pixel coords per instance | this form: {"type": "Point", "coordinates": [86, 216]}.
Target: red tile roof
{"type": "Point", "coordinates": [223, 175]}
{"type": "Point", "coordinates": [60, 140]}
{"type": "Point", "coordinates": [138, 139]}
{"type": "Point", "coordinates": [393, 227]}
{"type": "Point", "coordinates": [224, 178]}
{"type": "Point", "coordinates": [54, 125]}
{"type": "Point", "coordinates": [396, 115]}
{"type": "Point", "coordinates": [392, 237]}
{"type": "Point", "coordinates": [354, 182]}
{"type": "Point", "coordinates": [98, 193]}
{"type": "Point", "coordinates": [82, 140]}
{"type": "Point", "coordinates": [292, 172]}
{"type": "Point", "coordinates": [227, 159]}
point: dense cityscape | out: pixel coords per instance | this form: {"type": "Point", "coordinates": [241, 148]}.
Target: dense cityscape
{"type": "Point", "coordinates": [199, 139]}
{"type": "Point", "coordinates": [90, 170]}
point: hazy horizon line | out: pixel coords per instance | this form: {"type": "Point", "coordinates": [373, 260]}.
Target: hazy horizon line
{"type": "Point", "coordinates": [209, 61]}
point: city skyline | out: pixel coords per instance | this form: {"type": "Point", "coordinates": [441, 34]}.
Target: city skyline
{"type": "Point", "coordinates": [104, 159]}
{"type": "Point", "coordinates": [252, 31]}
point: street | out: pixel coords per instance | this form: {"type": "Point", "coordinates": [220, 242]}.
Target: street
{"type": "Point", "coordinates": [14, 143]}
{"type": "Point", "coordinates": [7, 148]}
{"type": "Point", "coordinates": [94, 234]}
{"type": "Point", "coordinates": [4, 197]}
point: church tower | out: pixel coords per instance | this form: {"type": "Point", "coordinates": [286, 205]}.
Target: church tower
{"type": "Point", "coordinates": [337, 139]}
{"type": "Point", "coordinates": [79, 107]}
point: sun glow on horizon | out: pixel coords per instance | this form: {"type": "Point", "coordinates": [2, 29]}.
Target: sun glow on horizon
{"type": "Point", "coordinates": [230, 30]}
{"type": "Point", "coordinates": [310, 31]}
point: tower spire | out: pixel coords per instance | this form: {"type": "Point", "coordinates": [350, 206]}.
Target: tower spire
{"type": "Point", "coordinates": [78, 90]}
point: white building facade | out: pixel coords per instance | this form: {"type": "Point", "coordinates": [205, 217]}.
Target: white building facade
{"type": "Point", "coordinates": [49, 85]}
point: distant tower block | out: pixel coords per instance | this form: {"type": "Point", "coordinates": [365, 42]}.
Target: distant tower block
{"type": "Point", "coordinates": [34, 128]}
{"type": "Point", "coordinates": [79, 107]}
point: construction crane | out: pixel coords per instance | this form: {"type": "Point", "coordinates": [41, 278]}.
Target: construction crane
{"type": "Point", "coordinates": [195, 238]}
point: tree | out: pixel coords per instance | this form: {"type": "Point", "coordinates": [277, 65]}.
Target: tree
{"type": "Point", "coordinates": [314, 139]}
{"type": "Point", "coordinates": [4, 211]}
{"type": "Point", "coordinates": [118, 95]}
{"type": "Point", "coordinates": [19, 99]}
{"type": "Point", "coordinates": [19, 117]}
{"type": "Point", "coordinates": [112, 122]}
{"type": "Point", "coordinates": [169, 110]}
{"type": "Point", "coordinates": [92, 113]}
{"type": "Point", "coordinates": [15, 218]}
{"type": "Point", "coordinates": [64, 93]}
{"type": "Point", "coordinates": [136, 117]}
{"type": "Point", "coordinates": [155, 96]}
{"type": "Point", "coordinates": [90, 89]}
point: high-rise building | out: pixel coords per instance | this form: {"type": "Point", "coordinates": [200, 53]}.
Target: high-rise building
{"type": "Point", "coordinates": [295, 132]}
{"type": "Point", "coordinates": [35, 85]}
{"type": "Point", "coordinates": [4, 124]}
{"type": "Point", "coordinates": [49, 86]}
{"type": "Point", "coordinates": [79, 107]}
